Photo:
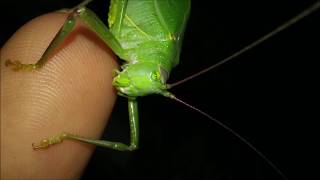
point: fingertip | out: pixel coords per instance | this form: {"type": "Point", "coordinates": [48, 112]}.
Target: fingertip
{"type": "Point", "coordinates": [73, 92]}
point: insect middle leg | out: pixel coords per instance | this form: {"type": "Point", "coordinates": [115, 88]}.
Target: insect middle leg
{"type": "Point", "coordinates": [90, 19]}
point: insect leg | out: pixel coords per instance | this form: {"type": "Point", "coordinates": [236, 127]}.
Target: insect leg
{"type": "Point", "coordinates": [90, 19]}
{"type": "Point", "coordinates": [96, 25]}
{"type": "Point", "coordinates": [64, 31]}
{"type": "Point", "coordinates": [134, 134]}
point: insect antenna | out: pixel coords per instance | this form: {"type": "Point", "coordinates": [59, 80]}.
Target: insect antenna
{"type": "Point", "coordinates": [245, 141]}
{"type": "Point", "coordinates": [314, 7]}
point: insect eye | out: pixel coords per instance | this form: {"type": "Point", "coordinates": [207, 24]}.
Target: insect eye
{"type": "Point", "coordinates": [155, 75]}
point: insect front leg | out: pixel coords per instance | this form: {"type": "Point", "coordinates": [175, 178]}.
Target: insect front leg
{"type": "Point", "coordinates": [134, 134]}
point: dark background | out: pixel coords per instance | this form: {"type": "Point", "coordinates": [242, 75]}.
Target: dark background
{"type": "Point", "coordinates": [268, 95]}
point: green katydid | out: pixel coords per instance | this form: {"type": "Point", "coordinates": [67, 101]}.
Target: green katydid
{"type": "Point", "coordinates": [149, 45]}
{"type": "Point", "coordinates": [121, 82]}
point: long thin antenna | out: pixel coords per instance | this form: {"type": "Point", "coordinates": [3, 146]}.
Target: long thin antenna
{"type": "Point", "coordinates": [282, 27]}
{"type": "Point", "coordinates": [172, 96]}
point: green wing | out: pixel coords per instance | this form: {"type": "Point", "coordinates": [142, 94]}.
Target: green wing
{"type": "Point", "coordinates": [173, 16]}
{"type": "Point", "coordinates": [116, 14]}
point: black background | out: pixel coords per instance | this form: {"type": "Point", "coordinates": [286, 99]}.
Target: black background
{"type": "Point", "coordinates": [268, 95]}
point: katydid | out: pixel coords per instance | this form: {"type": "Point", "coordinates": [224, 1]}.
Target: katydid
{"type": "Point", "coordinates": [133, 81]}
{"type": "Point", "coordinates": [147, 35]}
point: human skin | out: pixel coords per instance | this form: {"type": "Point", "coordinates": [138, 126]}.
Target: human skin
{"type": "Point", "coordinates": [72, 93]}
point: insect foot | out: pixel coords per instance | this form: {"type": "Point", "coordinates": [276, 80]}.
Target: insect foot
{"type": "Point", "coordinates": [45, 143]}
{"type": "Point", "coordinates": [17, 65]}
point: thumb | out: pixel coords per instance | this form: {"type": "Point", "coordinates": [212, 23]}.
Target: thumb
{"type": "Point", "coordinates": [72, 93]}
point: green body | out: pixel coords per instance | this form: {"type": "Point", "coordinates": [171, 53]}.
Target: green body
{"type": "Point", "coordinates": [147, 35]}
{"type": "Point", "coordinates": [150, 33]}
{"type": "Point", "coordinates": [149, 30]}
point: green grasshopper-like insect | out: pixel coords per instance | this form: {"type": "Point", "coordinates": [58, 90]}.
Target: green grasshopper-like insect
{"type": "Point", "coordinates": [147, 34]}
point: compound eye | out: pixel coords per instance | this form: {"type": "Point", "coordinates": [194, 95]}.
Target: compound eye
{"type": "Point", "coordinates": [155, 75]}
